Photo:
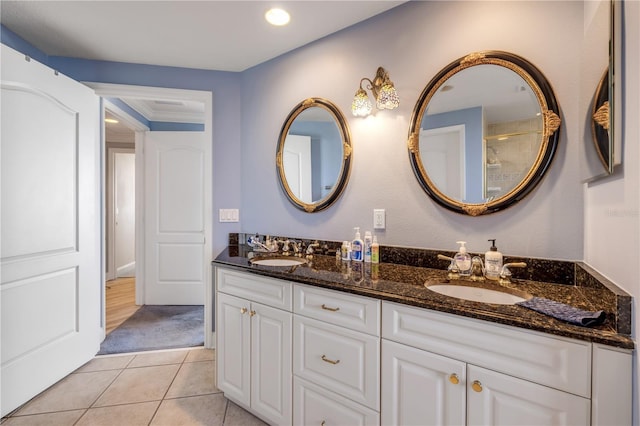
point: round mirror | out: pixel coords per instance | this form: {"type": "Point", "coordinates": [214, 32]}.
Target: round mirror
{"type": "Point", "coordinates": [314, 155]}
{"type": "Point", "coordinates": [601, 123]}
{"type": "Point", "coordinates": [483, 132]}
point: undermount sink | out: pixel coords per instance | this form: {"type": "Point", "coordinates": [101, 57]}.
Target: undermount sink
{"type": "Point", "coordinates": [486, 292]}
{"type": "Point", "coordinates": [278, 261]}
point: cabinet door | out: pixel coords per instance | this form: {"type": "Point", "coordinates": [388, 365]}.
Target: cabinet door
{"type": "Point", "coordinates": [233, 352]}
{"type": "Point", "coordinates": [271, 363]}
{"type": "Point", "coordinates": [421, 388]}
{"type": "Point", "coordinates": [497, 399]}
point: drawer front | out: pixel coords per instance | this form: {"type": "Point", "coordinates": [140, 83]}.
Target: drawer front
{"type": "Point", "coordinates": [344, 361]}
{"type": "Point", "coordinates": [314, 405]}
{"type": "Point", "coordinates": [346, 310]}
{"type": "Point", "coordinates": [268, 291]}
{"type": "Point", "coordinates": [557, 362]}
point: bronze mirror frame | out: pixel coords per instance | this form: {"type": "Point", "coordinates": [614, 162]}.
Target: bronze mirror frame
{"type": "Point", "coordinates": [345, 169]}
{"type": "Point", "coordinates": [549, 139]}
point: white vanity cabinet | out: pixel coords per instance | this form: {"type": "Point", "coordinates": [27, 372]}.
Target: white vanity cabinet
{"type": "Point", "coordinates": [253, 360]}
{"type": "Point", "coordinates": [336, 358]}
{"type": "Point", "coordinates": [443, 369]}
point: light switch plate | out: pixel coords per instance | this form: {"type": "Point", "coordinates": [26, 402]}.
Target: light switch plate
{"type": "Point", "coordinates": [228, 215]}
{"type": "Point", "coordinates": [379, 220]}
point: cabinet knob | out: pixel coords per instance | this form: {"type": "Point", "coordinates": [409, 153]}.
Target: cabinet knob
{"type": "Point", "coordinates": [453, 378]}
{"type": "Point", "coordinates": [476, 386]}
{"type": "Point", "coordinates": [252, 313]}
{"type": "Point", "coordinates": [243, 310]}
{"type": "Point", "coordinates": [322, 423]}
{"type": "Point", "coordinates": [326, 308]}
{"type": "Point", "coordinates": [330, 361]}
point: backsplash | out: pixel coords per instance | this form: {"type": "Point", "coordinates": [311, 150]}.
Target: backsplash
{"type": "Point", "coordinates": [550, 271]}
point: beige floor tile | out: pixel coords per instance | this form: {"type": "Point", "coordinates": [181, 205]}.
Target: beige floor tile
{"type": "Point", "coordinates": [159, 358]}
{"type": "Point", "coordinates": [201, 354]}
{"type": "Point", "coordinates": [62, 418]}
{"type": "Point", "coordinates": [75, 391]}
{"type": "Point", "coordinates": [238, 416]}
{"type": "Point", "coordinates": [129, 415]}
{"type": "Point", "coordinates": [194, 378]}
{"type": "Point", "coordinates": [106, 363]}
{"type": "Point", "coordinates": [193, 411]}
{"type": "Point", "coordinates": [139, 385]}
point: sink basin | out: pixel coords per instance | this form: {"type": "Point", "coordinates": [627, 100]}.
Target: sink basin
{"type": "Point", "coordinates": [486, 292]}
{"type": "Point", "coordinates": [285, 261]}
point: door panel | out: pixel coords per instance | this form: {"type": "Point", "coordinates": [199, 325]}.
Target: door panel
{"type": "Point", "coordinates": [177, 176]}
{"type": "Point", "coordinates": [51, 277]}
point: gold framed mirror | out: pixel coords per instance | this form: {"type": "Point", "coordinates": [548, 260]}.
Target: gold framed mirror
{"type": "Point", "coordinates": [601, 123]}
{"type": "Point", "coordinates": [313, 157]}
{"type": "Point", "coordinates": [483, 132]}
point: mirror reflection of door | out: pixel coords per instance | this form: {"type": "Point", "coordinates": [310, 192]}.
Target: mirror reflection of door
{"type": "Point", "coordinates": [443, 153]}
{"type": "Point", "coordinates": [297, 165]}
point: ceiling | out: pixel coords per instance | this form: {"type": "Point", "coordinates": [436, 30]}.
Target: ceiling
{"type": "Point", "coordinates": [214, 35]}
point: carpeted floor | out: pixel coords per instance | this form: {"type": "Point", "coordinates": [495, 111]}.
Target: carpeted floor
{"type": "Point", "coordinates": [155, 327]}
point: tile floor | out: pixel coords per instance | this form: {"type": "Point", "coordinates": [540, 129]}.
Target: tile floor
{"type": "Point", "coordinates": [175, 387]}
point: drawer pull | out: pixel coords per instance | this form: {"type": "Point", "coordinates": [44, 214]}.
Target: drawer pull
{"type": "Point", "coordinates": [252, 313]}
{"type": "Point", "coordinates": [243, 311]}
{"type": "Point", "coordinates": [453, 378]}
{"type": "Point", "coordinates": [326, 308]}
{"type": "Point", "coordinates": [477, 386]}
{"type": "Point", "coordinates": [330, 361]}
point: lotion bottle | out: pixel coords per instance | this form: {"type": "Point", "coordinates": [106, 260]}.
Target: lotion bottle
{"type": "Point", "coordinates": [375, 250]}
{"type": "Point", "coordinates": [492, 262]}
{"type": "Point", "coordinates": [367, 246]}
{"type": "Point", "coordinates": [357, 246]}
{"type": "Point", "coordinates": [463, 259]}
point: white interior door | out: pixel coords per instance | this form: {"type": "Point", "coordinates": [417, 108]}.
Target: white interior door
{"type": "Point", "coordinates": [50, 288]}
{"type": "Point", "coordinates": [442, 153]}
{"type": "Point", "coordinates": [297, 166]}
{"type": "Point", "coordinates": [177, 178]}
{"type": "Point", "coordinates": [125, 213]}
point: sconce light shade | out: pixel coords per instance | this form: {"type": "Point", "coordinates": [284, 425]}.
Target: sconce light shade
{"type": "Point", "coordinates": [383, 91]}
{"type": "Point", "coordinates": [361, 105]}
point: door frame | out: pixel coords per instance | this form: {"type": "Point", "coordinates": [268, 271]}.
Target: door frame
{"type": "Point", "coordinates": [108, 90]}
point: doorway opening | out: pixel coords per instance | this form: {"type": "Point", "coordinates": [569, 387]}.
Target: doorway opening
{"type": "Point", "coordinates": [134, 275]}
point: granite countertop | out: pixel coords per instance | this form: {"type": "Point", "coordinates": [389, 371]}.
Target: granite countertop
{"type": "Point", "coordinates": [405, 284]}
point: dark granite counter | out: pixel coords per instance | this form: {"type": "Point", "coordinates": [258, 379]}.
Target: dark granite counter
{"type": "Point", "coordinates": [405, 284]}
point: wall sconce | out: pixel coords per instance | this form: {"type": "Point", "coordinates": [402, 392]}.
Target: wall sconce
{"type": "Point", "coordinates": [383, 91]}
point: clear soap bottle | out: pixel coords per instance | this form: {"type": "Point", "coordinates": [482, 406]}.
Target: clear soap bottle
{"type": "Point", "coordinates": [463, 259]}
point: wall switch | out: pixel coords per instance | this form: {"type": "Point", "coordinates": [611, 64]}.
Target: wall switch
{"type": "Point", "coordinates": [378, 219]}
{"type": "Point", "coordinates": [228, 215]}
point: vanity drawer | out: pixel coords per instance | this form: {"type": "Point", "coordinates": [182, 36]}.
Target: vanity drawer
{"type": "Point", "coordinates": [355, 312]}
{"type": "Point", "coordinates": [314, 405]}
{"type": "Point", "coordinates": [554, 361]}
{"type": "Point", "coordinates": [270, 292]}
{"type": "Point", "coordinates": [342, 360]}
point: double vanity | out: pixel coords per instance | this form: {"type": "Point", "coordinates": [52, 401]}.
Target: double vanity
{"type": "Point", "coordinates": [326, 342]}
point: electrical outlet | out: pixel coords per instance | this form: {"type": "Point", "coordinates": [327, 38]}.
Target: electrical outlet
{"type": "Point", "coordinates": [379, 220]}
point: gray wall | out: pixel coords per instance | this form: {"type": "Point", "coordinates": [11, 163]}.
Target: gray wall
{"type": "Point", "coordinates": [419, 39]}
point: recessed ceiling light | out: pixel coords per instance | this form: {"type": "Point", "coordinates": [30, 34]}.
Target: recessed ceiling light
{"type": "Point", "coordinates": [110, 120]}
{"type": "Point", "coordinates": [277, 17]}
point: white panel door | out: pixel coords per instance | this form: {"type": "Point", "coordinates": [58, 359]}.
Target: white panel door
{"type": "Point", "coordinates": [50, 257]}
{"type": "Point", "coordinates": [177, 179]}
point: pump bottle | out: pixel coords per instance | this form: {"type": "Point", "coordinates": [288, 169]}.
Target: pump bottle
{"type": "Point", "coordinates": [463, 259]}
{"type": "Point", "coordinates": [492, 262]}
{"type": "Point", "coordinates": [357, 246]}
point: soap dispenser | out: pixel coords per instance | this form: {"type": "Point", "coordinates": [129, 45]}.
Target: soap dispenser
{"type": "Point", "coordinates": [463, 259]}
{"type": "Point", "coordinates": [492, 262]}
{"type": "Point", "coordinates": [357, 246]}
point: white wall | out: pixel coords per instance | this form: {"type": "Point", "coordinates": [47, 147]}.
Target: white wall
{"type": "Point", "coordinates": [413, 42]}
{"type": "Point", "coordinates": [612, 205]}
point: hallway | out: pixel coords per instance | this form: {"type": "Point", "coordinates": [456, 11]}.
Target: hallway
{"type": "Point", "coordinates": [120, 301]}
